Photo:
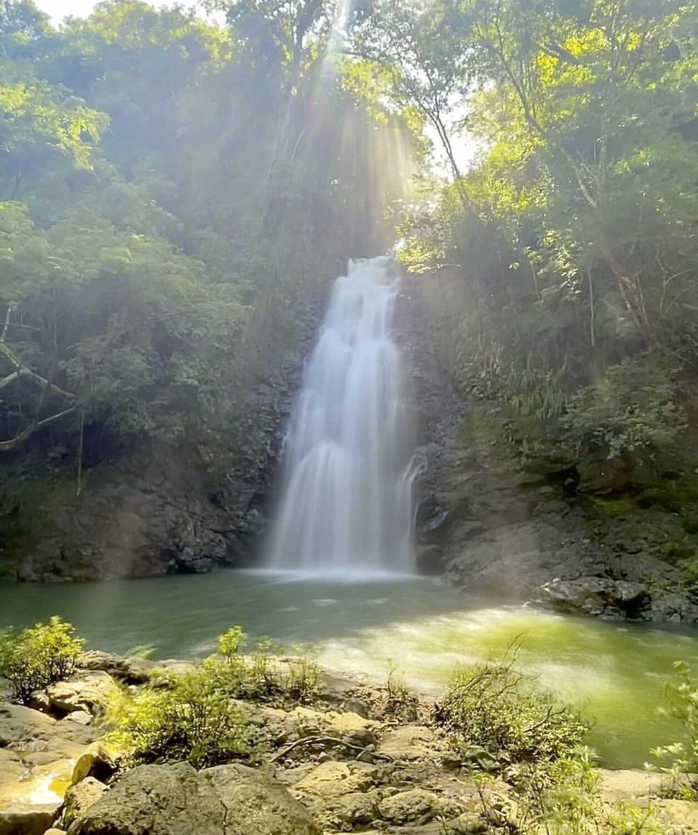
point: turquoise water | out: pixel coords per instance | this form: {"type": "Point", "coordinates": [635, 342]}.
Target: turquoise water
{"type": "Point", "coordinates": [418, 626]}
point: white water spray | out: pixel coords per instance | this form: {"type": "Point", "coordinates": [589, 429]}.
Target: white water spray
{"type": "Point", "coordinates": [346, 499]}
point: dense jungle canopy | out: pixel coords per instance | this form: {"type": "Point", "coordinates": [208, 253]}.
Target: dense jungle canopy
{"type": "Point", "coordinates": [175, 185]}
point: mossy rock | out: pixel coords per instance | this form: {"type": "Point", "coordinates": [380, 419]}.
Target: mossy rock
{"type": "Point", "coordinates": [690, 574]}
{"type": "Point", "coordinates": [609, 507]}
{"type": "Point", "coordinates": [660, 498]}
{"type": "Point", "coordinates": [675, 552]}
{"type": "Point", "coordinates": [690, 524]}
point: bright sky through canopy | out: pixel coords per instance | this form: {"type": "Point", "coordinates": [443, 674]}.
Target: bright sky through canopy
{"type": "Point", "coordinates": [58, 9]}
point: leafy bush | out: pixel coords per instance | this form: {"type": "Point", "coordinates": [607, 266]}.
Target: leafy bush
{"type": "Point", "coordinates": [563, 798]}
{"type": "Point", "coordinates": [269, 673]}
{"type": "Point", "coordinates": [302, 679]}
{"type": "Point", "coordinates": [229, 643]}
{"type": "Point", "coordinates": [680, 760]}
{"type": "Point", "coordinates": [632, 409]}
{"type": "Point", "coordinates": [191, 720]}
{"type": "Point", "coordinates": [39, 655]}
{"type": "Point", "coordinates": [495, 716]}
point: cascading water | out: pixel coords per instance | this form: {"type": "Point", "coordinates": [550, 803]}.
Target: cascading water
{"type": "Point", "coordinates": [346, 498]}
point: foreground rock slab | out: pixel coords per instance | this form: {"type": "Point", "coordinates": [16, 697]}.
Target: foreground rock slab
{"type": "Point", "coordinates": [257, 804]}
{"type": "Point", "coordinates": [25, 819]}
{"type": "Point", "coordinates": [158, 800]}
{"type": "Point", "coordinates": [37, 756]}
{"type": "Point", "coordinates": [177, 800]}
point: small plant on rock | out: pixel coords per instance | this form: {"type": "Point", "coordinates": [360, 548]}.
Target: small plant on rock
{"type": "Point", "coordinates": [191, 720]}
{"type": "Point", "coordinates": [39, 655]}
{"type": "Point", "coordinates": [302, 680]}
{"type": "Point", "coordinates": [230, 642]}
{"type": "Point", "coordinates": [263, 680]}
{"type": "Point", "coordinates": [400, 703]}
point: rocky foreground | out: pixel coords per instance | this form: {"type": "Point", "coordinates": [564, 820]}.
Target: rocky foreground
{"type": "Point", "coordinates": [346, 764]}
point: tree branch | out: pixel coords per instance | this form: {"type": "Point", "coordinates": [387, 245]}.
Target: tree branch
{"type": "Point", "coordinates": [13, 443]}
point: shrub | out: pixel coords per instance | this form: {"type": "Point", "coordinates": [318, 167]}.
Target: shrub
{"type": "Point", "coordinates": [400, 703]}
{"type": "Point", "coordinates": [229, 643]}
{"type": "Point", "coordinates": [263, 679]}
{"type": "Point", "coordinates": [563, 798]}
{"type": "Point", "coordinates": [631, 410]}
{"type": "Point", "coordinates": [680, 760]}
{"type": "Point", "coordinates": [495, 716]}
{"type": "Point", "coordinates": [263, 676]}
{"type": "Point", "coordinates": [302, 679]}
{"type": "Point", "coordinates": [192, 720]}
{"type": "Point", "coordinates": [39, 655]}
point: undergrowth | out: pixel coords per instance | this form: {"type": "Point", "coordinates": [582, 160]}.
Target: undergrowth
{"type": "Point", "coordinates": [37, 656]}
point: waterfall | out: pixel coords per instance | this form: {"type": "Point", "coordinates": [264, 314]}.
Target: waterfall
{"type": "Point", "coordinates": [346, 497]}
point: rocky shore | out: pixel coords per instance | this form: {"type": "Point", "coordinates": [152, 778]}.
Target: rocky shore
{"type": "Point", "coordinates": [355, 760]}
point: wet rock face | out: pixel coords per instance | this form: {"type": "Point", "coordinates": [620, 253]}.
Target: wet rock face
{"type": "Point", "coordinates": [599, 596]}
{"type": "Point", "coordinates": [158, 510]}
{"type": "Point", "coordinates": [499, 532]}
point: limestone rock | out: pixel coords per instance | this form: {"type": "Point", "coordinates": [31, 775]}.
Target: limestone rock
{"type": "Point", "coordinates": [157, 800]}
{"type": "Point", "coordinates": [82, 717]}
{"type": "Point", "coordinates": [349, 723]}
{"type": "Point", "coordinates": [469, 824]}
{"type": "Point", "coordinates": [80, 797]}
{"type": "Point", "coordinates": [90, 692]}
{"type": "Point", "coordinates": [413, 806]}
{"type": "Point", "coordinates": [126, 669]}
{"type": "Point", "coordinates": [336, 778]}
{"type": "Point", "coordinates": [679, 817]}
{"type": "Point", "coordinates": [257, 804]}
{"type": "Point", "coordinates": [350, 811]}
{"type": "Point", "coordinates": [27, 819]}
{"type": "Point", "coordinates": [21, 725]}
{"type": "Point", "coordinates": [44, 744]}
{"type": "Point", "coordinates": [630, 785]}
{"type": "Point", "coordinates": [409, 742]}
{"type": "Point", "coordinates": [97, 760]}
{"type": "Point", "coordinates": [12, 773]}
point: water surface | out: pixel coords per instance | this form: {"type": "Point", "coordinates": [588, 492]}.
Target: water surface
{"type": "Point", "coordinates": [420, 627]}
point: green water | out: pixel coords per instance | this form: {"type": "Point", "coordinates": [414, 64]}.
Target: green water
{"type": "Point", "coordinates": [422, 628]}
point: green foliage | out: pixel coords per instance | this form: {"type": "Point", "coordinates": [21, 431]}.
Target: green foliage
{"type": "Point", "coordinates": [229, 643]}
{"type": "Point", "coordinates": [302, 680]}
{"type": "Point", "coordinates": [680, 759]}
{"type": "Point", "coordinates": [630, 410]}
{"type": "Point", "coordinates": [154, 270]}
{"type": "Point", "coordinates": [189, 720]}
{"type": "Point", "coordinates": [268, 673]}
{"type": "Point", "coordinates": [37, 656]}
{"type": "Point", "coordinates": [563, 798]}
{"type": "Point", "coordinates": [494, 717]}
{"type": "Point", "coordinates": [400, 702]}
{"type": "Point", "coordinates": [562, 263]}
